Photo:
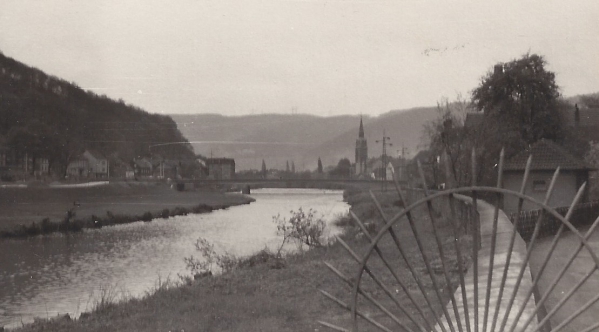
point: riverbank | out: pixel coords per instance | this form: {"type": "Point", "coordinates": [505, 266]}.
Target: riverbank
{"type": "Point", "coordinates": [39, 210]}
{"type": "Point", "coordinates": [262, 293]}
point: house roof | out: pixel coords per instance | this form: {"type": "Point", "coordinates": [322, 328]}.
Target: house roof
{"type": "Point", "coordinates": [96, 154]}
{"type": "Point", "coordinates": [144, 163]}
{"type": "Point", "coordinates": [546, 156]}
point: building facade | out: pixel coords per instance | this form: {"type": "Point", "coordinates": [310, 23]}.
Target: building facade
{"type": "Point", "coordinates": [361, 152]}
{"type": "Point", "coordinates": [90, 164]}
{"type": "Point", "coordinates": [220, 168]}
{"type": "Point", "coordinates": [546, 157]}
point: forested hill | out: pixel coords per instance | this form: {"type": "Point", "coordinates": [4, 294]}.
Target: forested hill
{"type": "Point", "coordinates": [48, 117]}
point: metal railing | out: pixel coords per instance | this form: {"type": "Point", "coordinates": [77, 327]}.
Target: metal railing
{"type": "Point", "coordinates": [446, 275]}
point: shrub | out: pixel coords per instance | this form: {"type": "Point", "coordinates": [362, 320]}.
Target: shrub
{"type": "Point", "coordinates": [65, 225]}
{"type": "Point", "coordinates": [202, 208]}
{"type": "Point", "coordinates": [179, 211]}
{"type": "Point", "coordinates": [31, 230]}
{"type": "Point", "coordinates": [47, 226]}
{"type": "Point", "coordinates": [147, 216]}
{"type": "Point", "coordinates": [303, 228]}
{"type": "Point", "coordinates": [165, 213]}
{"type": "Point", "coordinates": [210, 259]}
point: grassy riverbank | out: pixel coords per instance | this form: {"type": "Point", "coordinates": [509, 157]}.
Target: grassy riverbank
{"type": "Point", "coordinates": [263, 294]}
{"type": "Point", "coordinates": [24, 209]}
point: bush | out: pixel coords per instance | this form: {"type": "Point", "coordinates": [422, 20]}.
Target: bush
{"type": "Point", "coordinates": [303, 228]}
{"type": "Point", "coordinates": [165, 213]}
{"type": "Point", "coordinates": [47, 226]}
{"type": "Point", "coordinates": [147, 216]}
{"type": "Point", "coordinates": [202, 208]}
{"type": "Point", "coordinates": [210, 260]}
{"type": "Point", "coordinates": [179, 211]}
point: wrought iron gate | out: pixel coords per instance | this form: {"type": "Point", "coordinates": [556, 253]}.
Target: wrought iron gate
{"type": "Point", "coordinates": [461, 286]}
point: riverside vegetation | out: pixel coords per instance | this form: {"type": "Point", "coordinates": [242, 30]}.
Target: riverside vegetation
{"type": "Point", "coordinates": [42, 210]}
{"type": "Point", "coordinates": [264, 292]}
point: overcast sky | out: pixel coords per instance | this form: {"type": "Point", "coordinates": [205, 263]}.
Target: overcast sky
{"type": "Point", "coordinates": [317, 56]}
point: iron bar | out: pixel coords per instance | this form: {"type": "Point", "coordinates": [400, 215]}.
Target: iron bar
{"type": "Point", "coordinates": [456, 242]}
{"type": "Point", "coordinates": [401, 284]}
{"type": "Point", "coordinates": [334, 327]}
{"type": "Point", "coordinates": [370, 298]}
{"type": "Point", "coordinates": [577, 313]}
{"type": "Point", "coordinates": [347, 307]}
{"type": "Point", "coordinates": [493, 240]}
{"type": "Point", "coordinates": [369, 272]}
{"type": "Point", "coordinates": [581, 245]}
{"type": "Point", "coordinates": [564, 299]}
{"type": "Point", "coordinates": [429, 206]}
{"type": "Point", "coordinates": [511, 245]}
{"type": "Point", "coordinates": [546, 260]}
{"type": "Point", "coordinates": [476, 240]}
{"type": "Point", "coordinates": [408, 214]}
{"type": "Point", "coordinates": [529, 251]}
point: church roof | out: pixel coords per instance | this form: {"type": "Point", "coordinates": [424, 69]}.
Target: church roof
{"type": "Point", "coordinates": [361, 133]}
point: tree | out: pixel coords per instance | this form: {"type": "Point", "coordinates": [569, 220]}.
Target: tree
{"type": "Point", "coordinates": [319, 170]}
{"type": "Point", "coordinates": [287, 167]}
{"type": "Point", "coordinates": [521, 96]}
{"type": "Point", "coordinates": [292, 166]}
{"type": "Point", "coordinates": [263, 169]}
{"type": "Point", "coordinates": [448, 137]}
{"type": "Point", "coordinates": [343, 169]}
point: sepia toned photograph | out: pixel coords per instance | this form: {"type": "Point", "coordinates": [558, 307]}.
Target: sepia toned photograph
{"type": "Point", "coordinates": [299, 165]}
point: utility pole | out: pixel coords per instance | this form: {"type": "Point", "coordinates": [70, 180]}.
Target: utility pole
{"type": "Point", "coordinates": [385, 142]}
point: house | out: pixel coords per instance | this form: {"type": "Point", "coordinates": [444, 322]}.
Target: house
{"type": "Point", "coordinates": [220, 168]}
{"type": "Point", "coordinates": [97, 162]}
{"type": "Point", "coordinates": [142, 167]}
{"type": "Point", "coordinates": [42, 167]}
{"type": "Point", "coordinates": [90, 164]}
{"type": "Point", "coordinates": [121, 169]}
{"type": "Point", "coordinates": [546, 157]}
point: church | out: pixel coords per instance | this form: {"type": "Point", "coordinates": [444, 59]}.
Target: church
{"type": "Point", "coordinates": [361, 153]}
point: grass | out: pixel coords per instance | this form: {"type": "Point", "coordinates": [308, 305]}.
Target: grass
{"type": "Point", "coordinates": [265, 294]}
{"type": "Point", "coordinates": [42, 210]}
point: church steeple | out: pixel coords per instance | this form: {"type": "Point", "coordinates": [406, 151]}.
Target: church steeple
{"type": "Point", "coordinates": [361, 152]}
{"type": "Point", "coordinates": [361, 133]}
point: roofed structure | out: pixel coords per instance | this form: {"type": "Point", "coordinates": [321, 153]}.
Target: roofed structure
{"type": "Point", "coordinates": [546, 156]}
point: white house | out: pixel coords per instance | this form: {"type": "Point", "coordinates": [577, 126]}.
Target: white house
{"type": "Point", "coordinates": [89, 164]}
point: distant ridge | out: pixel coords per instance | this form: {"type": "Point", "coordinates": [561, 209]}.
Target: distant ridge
{"type": "Point", "coordinates": [301, 138]}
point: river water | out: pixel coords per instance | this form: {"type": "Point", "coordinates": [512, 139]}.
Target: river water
{"type": "Point", "coordinates": [47, 275]}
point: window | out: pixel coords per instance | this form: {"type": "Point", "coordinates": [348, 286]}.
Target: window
{"type": "Point", "coordinates": [539, 185]}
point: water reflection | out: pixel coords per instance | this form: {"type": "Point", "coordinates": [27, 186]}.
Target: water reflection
{"type": "Point", "coordinates": [47, 275]}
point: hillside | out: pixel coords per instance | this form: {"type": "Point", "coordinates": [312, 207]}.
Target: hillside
{"type": "Point", "coordinates": [301, 138]}
{"type": "Point", "coordinates": [42, 116]}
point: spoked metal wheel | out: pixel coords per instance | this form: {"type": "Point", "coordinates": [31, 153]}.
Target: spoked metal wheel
{"type": "Point", "coordinates": [451, 262]}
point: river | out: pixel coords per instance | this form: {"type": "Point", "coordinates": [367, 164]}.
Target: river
{"type": "Point", "coordinates": [66, 273]}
